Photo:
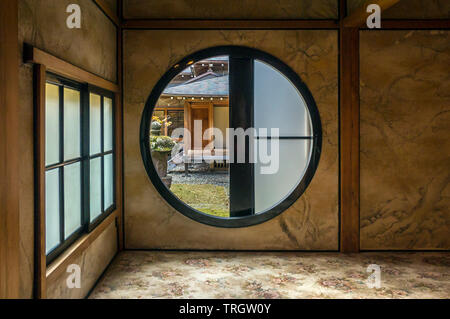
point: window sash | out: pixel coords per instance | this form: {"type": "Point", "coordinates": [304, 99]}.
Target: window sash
{"type": "Point", "coordinates": [241, 97]}
{"type": "Point", "coordinates": [105, 211]}
{"type": "Point", "coordinates": [243, 213]}
{"type": "Point", "coordinates": [84, 159]}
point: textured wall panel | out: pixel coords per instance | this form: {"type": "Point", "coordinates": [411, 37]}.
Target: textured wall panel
{"type": "Point", "coordinates": [93, 48]}
{"type": "Point", "coordinates": [405, 140]}
{"type": "Point", "coordinates": [93, 261]}
{"type": "Point", "coordinates": [311, 223]}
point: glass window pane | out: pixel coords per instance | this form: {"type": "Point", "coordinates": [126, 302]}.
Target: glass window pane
{"type": "Point", "coordinates": [52, 238]}
{"type": "Point", "coordinates": [95, 188]}
{"type": "Point", "coordinates": [108, 124]}
{"type": "Point", "coordinates": [277, 96]}
{"type": "Point", "coordinates": [276, 178]}
{"type": "Point", "coordinates": [71, 124]}
{"type": "Point", "coordinates": [51, 124]}
{"type": "Point", "coordinates": [72, 198]}
{"type": "Point", "coordinates": [95, 123]}
{"type": "Point", "coordinates": [108, 181]}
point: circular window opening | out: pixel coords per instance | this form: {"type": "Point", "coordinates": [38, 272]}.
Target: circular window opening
{"type": "Point", "coordinates": [230, 136]}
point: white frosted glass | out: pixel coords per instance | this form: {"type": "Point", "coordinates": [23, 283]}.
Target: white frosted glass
{"type": "Point", "coordinates": [52, 199]}
{"type": "Point", "coordinates": [71, 124]}
{"type": "Point", "coordinates": [108, 181]}
{"type": "Point", "coordinates": [51, 124]}
{"type": "Point", "coordinates": [108, 124]}
{"type": "Point", "coordinates": [271, 189]}
{"type": "Point", "coordinates": [96, 187]}
{"type": "Point", "coordinates": [72, 198]}
{"type": "Point", "coordinates": [95, 123]}
{"type": "Point", "coordinates": [278, 103]}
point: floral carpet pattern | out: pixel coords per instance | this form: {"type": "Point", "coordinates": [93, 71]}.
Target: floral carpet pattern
{"type": "Point", "coordinates": [137, 274]}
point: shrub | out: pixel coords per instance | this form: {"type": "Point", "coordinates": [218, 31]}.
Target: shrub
{"type": "Point", "coordinates": [161, 143]}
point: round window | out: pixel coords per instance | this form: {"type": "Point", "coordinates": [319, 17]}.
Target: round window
{"type": "Point", "coordinates": [230, 136]}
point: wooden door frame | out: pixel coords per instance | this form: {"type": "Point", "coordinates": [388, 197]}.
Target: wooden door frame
{"type": "Point", "coordinates": [188, 105]}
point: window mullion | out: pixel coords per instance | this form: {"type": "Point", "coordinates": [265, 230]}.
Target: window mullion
{"type": "Point", "coordinates": [102, 145]}
{"type": "Point", "coordinates": [61, 169]}
{"type": "Point", "coordinates": [241, 116]}
{"type": "Point", "coordinates": [85, 136]}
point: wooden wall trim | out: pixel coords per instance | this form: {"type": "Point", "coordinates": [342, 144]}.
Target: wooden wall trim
{"type": "Point", "coordinates": [108, 11]}
{"type": "Point", "coordinates": [9, 150]}
{"type": "Point", "coordinates": [119, 134]}
{"type": "Point", "coordinates": [150, 24]}
{"type": "Point", "coordinates": [413, 24]}
{"type": "Point", "coordinates": [349, 139]}
{"type": "Point", "coordinates": [119, 170]}
{"type": "Point", "coordinates": [39, 171]}
{"type": "Point", "coordinates": [359, 17]}
{"type": "Point", "coordinates": [65, 69]}
{"type": "Point", "coordinates": [228, 24]}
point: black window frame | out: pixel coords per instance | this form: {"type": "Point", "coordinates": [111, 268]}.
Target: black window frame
{"type": "Point", "coordinates": [241, 76]}
{"type": "Point", "coordinates": [84, 159]}
{"type": "Point", "coordinates": [105, 210]}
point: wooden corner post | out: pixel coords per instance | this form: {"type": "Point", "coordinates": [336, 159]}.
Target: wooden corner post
{"type": "Point", "coordinates": [9, 150]}
{"type": "Point", "coordinates": [349, 138]}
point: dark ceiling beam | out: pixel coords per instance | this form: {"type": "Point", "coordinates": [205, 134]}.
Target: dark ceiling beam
{"type": "Point", "coordinates": [229, 24]}
{"type": "Point", "coordinates": [414, 24]}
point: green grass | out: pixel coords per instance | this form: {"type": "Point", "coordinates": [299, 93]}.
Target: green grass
{"type": "Point", "coordinates": [207, 198]}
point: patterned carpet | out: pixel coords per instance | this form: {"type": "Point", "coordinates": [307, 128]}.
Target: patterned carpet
{"type": "Point", "coordinates": [135, 274]}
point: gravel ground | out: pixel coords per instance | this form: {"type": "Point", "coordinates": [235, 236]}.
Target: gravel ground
{"type": "Point", "coordinates": [218, 178]}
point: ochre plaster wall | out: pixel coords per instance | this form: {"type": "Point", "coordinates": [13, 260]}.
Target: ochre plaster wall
{"type": "Point", "coordinates": [405, 140]}
{"type": "Point", "coordinates": [311, 223]}
{"type": "Point", "coordinates": [93, 261]}
{"type": "Point", "coordinates": [93, 48]}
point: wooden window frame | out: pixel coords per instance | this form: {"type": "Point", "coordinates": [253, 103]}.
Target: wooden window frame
{"type": "Point", "coordinates": [240, 98]}
{"type": "Point", "coordinates": [43, 63]}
